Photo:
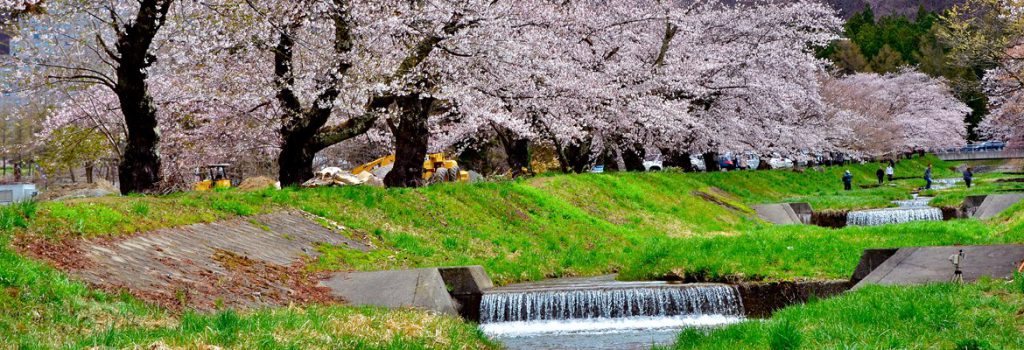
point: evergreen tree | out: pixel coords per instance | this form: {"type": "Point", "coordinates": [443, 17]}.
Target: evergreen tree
{"type": "Point", "coordinates": [887, 60]}
{"type": "Point", "coordinates": [848, 58]}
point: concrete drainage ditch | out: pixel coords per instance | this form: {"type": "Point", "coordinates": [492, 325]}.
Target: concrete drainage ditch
{"type": "Point", "coordinates": [602, 313]}
{"type": "Point", "coordinates": [597, 312]}
{"type": "Point", "coordinates": [980, 207]}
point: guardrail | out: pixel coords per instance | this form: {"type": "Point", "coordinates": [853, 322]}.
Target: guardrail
{"type": "Point", "coordinates": [981, 155]}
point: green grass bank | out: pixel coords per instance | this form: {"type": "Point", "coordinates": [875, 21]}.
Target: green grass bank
{"type": "Point", "coordinates": [985, 315]}
{"type": "Point", "coordinates": [640, 225]}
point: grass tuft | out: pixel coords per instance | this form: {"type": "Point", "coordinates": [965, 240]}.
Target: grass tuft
{"type": "Point", "coordinates": [784, 336]}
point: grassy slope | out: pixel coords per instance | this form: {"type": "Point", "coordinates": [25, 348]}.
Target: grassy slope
{"type": "Point", "coordinates": [40, 308]}
{"type": "Point", "coordinates": [983, 184]}
{"type": "Point", "coordinates": [642, 225]}
{"type": "Point", "coordinates": [823, 189]}
{"type": "Point", "coordinates": [942, 316]}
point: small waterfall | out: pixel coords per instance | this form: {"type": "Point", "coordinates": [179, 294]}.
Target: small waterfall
{"type": "Point", "coordinates": [892, 216]}
{"type": "Point", "coordinates": [916, 202]}
{"type": "Point", "coordinates": [942, 184]}
{"type": "Point", "coordinates": [915, 209]}
{"type": "Point", "coordinates": [610, 302]}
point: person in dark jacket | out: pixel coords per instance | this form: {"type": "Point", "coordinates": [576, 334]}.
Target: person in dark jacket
{"type": "Point", "coordinates": [928, 177]}
{"type": "Point", "coordinates": [880, 174]}
{"type": "Point", "coordinates": [968, 176]}
{"type": "Point", "coordinates": [847, 181]}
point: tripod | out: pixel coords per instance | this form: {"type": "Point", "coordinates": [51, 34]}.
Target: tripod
{"type": "Point", "coordinates": [956, 259]}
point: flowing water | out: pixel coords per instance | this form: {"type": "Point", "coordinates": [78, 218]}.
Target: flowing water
{"type": "Point", "coordinates": [588, 314]}
{"type": "Point", "coordinates": [915, 209]}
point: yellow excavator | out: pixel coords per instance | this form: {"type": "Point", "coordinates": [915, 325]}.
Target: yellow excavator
{"type": "Point", "coordinates": [217, 177]}
{"type": "Point", "coordinates": [436, 168]}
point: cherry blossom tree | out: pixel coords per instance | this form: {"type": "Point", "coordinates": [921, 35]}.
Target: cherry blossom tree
{"type": "Point", "coordinates": [883, 114]}
{"type": "Point", "coordinates": [109, 44]}
{"type": "Point", "coordinates": [198, 127]}
{"type": "Point", "coordinates": [1006, 118]}
{"type": "Point", "coordinates": [622, 77]}
{"type": "Point", "coordinates": [398, 62]}
{"type": "Point", "coordinates": [9, 9]}
{"type": "Point", "coordinates": [991, 33]}
{"type": "Point", "coordinates": [610, 79]}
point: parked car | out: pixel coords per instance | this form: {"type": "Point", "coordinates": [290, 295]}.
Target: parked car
{"type": "Point", "coordinates": [698, 162]}
{"type": "Point", "coordinates": [653, 165]}
{"type": "Point", "coordinates": [993, 145]}
{"type": "Point", "coordinates": [972, 147]}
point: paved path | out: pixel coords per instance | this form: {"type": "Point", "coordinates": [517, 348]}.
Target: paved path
{"type": "Point", "coordinates": [246, 262]}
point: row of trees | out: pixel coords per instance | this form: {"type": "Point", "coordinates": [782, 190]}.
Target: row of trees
{"type": "Point", "coordinates": [890, 43]}
{"type": "Point", "coordinates": [990, 33]}
{"type": "Point", "coordinates": [172, 84]}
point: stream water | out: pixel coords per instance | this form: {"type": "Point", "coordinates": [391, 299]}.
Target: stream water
{"type": "Point", "coordinates": [604, 314]}
{"type": "Point", "coordinates": [915, 209]}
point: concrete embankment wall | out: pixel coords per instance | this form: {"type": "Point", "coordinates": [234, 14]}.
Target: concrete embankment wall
{"type": "Point", "coordinates": [447, 290]}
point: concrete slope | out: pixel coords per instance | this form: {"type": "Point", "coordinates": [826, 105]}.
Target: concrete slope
{"type": "Point", "coordinates": [447, 290]}
{"type": "Point", "coordinates": [418, 288]}
{"type": "Point", "coordinates": [779, 214]}
{"type": "Point", "coordinates": [995, 204]}
{"type": "Point", "coordinates": [920, 265]}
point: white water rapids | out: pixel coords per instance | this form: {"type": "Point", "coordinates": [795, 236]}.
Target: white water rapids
{"type": "Point", "coordinates": [915, 209]}
{"type": "Point", "coordinates": [604, 315]}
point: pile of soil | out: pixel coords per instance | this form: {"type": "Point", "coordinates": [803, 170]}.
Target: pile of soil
{"type": "Point", "coordinates": [98, 188]}
{"type": "Point", "coordinates": [257, 183]}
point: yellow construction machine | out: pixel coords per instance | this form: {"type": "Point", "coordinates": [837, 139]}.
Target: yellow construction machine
{"type": "Point", "coordinates": [216, 177]}
{"type": "Point", "coordinates": [436, 168]}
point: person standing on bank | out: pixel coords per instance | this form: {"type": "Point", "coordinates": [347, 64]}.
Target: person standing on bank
{"type": "Point", "coordinates": [968, 176]}
{"type": "Point", "coordinates": [889, 171]}
{"type": "Point", "coordinates": [880, 174]}
{"type": "Point", "coordinates": [928, 177]}
{"type": "Point", "coordinates": [847, 181]}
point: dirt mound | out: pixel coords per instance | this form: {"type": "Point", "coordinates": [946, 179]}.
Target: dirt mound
{"type": "Point", "coordinates": [257, 183]}
{"type": "Point", "coordinates": [98, 188]}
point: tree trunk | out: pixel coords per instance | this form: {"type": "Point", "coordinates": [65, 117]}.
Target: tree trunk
{"type": "Point", "coordinates": [517, 151]}
{"type": "Point", "coordinates": [633, 156]}
{"type": "Point", "coordinates": [764, 164]}
{"type": "Point", "coordinates": [295, 162]}
{"type": "Point", "coordinates": [411, 139]}
{"type": "Point", "coordinates": [303, 129]}
{"type": "Point", "coordinates": [687, 163]}
{"type": "Point", "coordinates": [711, 161]}
{"type": "Point", "coordinates": [563, 160]}
{"type": "Point", "coordinates": [139, 170]}
{"type": "Point", "coordinates": [671, 157]}
{"type": "Point", "coordinates": [518, 154]}
{"type": "Point", "coordinates": [88, 172]}
{"type": "Point", "coordinates": [610, 159]}
{"type": "Point", "coordinates": [71, 171]}
{"type": "Point", "coordinates": [577, 157]}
